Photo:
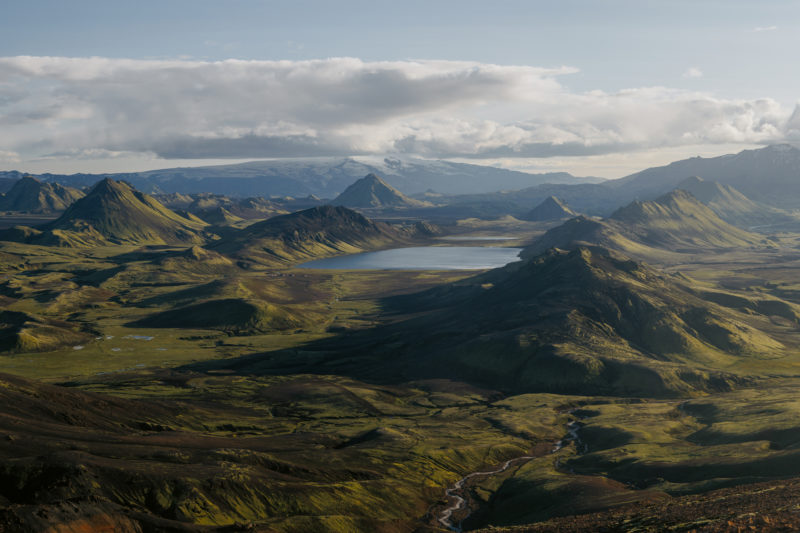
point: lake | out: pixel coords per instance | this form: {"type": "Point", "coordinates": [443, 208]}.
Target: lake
{"type": "Point", "coordinates": [422, 258]}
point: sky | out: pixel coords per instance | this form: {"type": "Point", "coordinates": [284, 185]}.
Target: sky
{"type": "Point", "coordinates": [600, 87]}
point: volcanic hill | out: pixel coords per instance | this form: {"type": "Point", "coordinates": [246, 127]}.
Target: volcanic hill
{"type": "Point", "coordinates": [550, 209]}
{"type": "Point", "coordinates": [114, 212]}
{"type": "Point", "coordinates": [310, 234]}
{"type": "Point", "coordinates": [372, 191]}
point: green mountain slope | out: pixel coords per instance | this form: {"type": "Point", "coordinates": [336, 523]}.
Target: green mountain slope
{"type": "Point", "coordinates": [589, 321]}
{"type": "Point", "coordinates": [675, 222]}
{"type": "Point", "coordinates": [23, 332]}
{"type": "Point", "coordinates": [115, 212]}
{"type": "Point", "coordinates": [312, 233]}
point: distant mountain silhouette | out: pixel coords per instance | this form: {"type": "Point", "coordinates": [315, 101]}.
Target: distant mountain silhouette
{"type": "Point", "coordinates": [770, 175]}
{"type": "Point", "coordinates": [322, 176]}
{"type": "Point", "coordinates": [550, 209]}
{"type": "Point", "coordinates": [30, 195]}
{"type": "Point", "coordinates": [734, 207]}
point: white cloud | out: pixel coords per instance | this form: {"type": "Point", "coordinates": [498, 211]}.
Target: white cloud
{"type": "Point", "coordinates": [693, 72]}
{"type": "Point", "coordinates": [101, 107]}
{"type": "Point", "coordinates": [759, 29]}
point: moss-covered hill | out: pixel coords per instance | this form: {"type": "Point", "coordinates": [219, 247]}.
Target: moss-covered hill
{"type": "Point", "coordinates": [121, 214]}
{"type": "Point", "coordinates": [312, 233]}
{"type": "Point", "coordinates": [233, 315]}
{"type": "Point", "coordinates": [23, 332]}
{"type": "Point", "coordinates": [675, 222]}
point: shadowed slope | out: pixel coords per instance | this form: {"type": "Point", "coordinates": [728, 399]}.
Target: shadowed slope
{"type": "Point", "coordinates": [33, 196]}
{"type": "Point", "coordinates": [232, 315]}
{"type": "Point", "coordinates": [312, 233]}
{"type": "Point", "coordinates": [550, 209]}
{"type": "Point", "coordinates": [586, 321]}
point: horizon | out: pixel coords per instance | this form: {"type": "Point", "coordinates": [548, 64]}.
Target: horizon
{"type": "Point", "coordinates": [221, 163]}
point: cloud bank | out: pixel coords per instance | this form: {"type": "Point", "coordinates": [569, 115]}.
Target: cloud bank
{"type": "Point", "coordinates": [101, 107]}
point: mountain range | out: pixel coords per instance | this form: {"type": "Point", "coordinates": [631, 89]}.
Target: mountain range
{"type": "Point", "coordinates": [323, 177]}
{"type": "Point", "coordinates": [770, 175]}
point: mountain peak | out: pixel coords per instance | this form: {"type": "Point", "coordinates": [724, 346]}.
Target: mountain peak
{"type": "Point", "coordinates": [372, 177]}
{"type": "Point", "coordinates": [122, 214]}
{"type": "Point", "coordinates": [551, 208]}
{"type": "Point", "coordinates": [372, 191]}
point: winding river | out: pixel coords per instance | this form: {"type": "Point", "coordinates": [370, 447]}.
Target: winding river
{"type": "Point", "coordinates": [454, 493]}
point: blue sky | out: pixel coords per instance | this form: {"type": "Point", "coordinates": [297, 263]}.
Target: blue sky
{"type": "Point", "coordinates": [725, 68]}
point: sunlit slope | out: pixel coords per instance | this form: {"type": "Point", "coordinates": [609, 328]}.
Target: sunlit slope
{"type": "Point", "coordinates": [123, 215]}
{"type": "Point", "coordinates": [734, 207]}
{"type": "Point", "coordinates": [675, 222]}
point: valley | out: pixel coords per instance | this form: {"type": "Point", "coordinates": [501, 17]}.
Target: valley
{"type": "Point", "coordinates": [162, 371]}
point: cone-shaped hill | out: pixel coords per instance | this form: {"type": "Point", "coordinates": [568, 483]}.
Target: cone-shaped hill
{"type": "Point", "coordinates": [30, 195]}
{"type": "Point", "coordinates": [309, 234]}
{"type": "Point", "coordinates": [586, 321]}
{"type": "Point", "coordinates": [675, 222]}
{"type": "Point", "coordinates": [732, 206]}
{"type": "Point", "coordinates": [550, 209]}
{"type": "Point", "coordinates": [372, 191]}
{"type": "Point", "coordinates": [115, 212]}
